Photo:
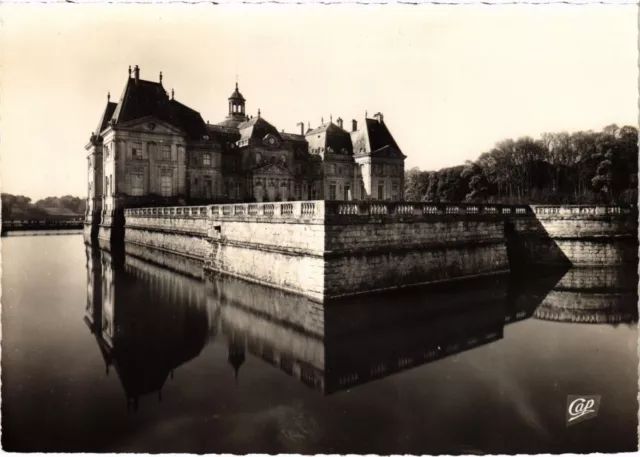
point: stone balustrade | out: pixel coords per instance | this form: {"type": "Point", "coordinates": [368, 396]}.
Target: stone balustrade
{"type": "Point", "coordinates": [175, 211]}
{"type": "Point", "coordinates": [180, 219]}
{"type": "Point", "coordinates": [403, 209]}
{"type": "Point", "coordinates": [317, 210]}
{"type": "Point", "coordinates": [580, 210]}
{"type": "Point", "coordinates": [276, 211]}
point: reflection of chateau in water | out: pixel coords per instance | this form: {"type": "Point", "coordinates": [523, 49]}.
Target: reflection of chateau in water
{"type": "Point", "coordinates": [154, 320]}
{"type": "Point", "coordinates": [147, 321]}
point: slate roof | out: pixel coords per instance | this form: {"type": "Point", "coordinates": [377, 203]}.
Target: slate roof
{"type": "Point", "coordinates": [106, 115]}
{"type": "Point", "coordinates": [147, 98]}
{"type": "Point", "coordinates": [294, 138]}
{"type": "Point", "coordinates": [232, 122]}
{"type": "Point", "coordinates": [223, 134]}
{"type": "Point", "coordinates": [256, 128]}
{"type": "Point", "coordinates": [330, 136]}
{"type": "Point", "coordinates": [375, 136]}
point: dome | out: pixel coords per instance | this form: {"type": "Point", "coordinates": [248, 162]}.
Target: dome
{"type": "Point", "coordinates": [236, 95]}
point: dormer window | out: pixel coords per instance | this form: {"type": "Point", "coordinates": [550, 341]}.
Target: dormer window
{"type": "Point", "coordinates": [206, 160]}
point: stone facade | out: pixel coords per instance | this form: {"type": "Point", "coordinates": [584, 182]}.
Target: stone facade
{"type": "Point", "coordinates": [150, 150]}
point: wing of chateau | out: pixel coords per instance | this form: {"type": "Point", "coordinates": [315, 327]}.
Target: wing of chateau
{"type": "Point", "coordinates": [149, 149]}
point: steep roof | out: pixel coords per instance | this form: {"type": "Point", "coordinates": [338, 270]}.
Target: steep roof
{"type": "Point", "coordinates": [256, 128]}
{"type": "Point", "coordinates": [223, 134]}
{"type": "Point", "coordinates": [106, 115]}
{"type": "Point", "coordinates": [294, 138]}
{"type": "Point", "coordinates": [147, 98]}
{"type": "Point", "coordinates": [331, 138]}
{"type": "Point", "coordinates": [372, 137]}
{"type": "Point", "coordinates": [141, 99]}
{"type": "Point", "coordinates": [189, 120]}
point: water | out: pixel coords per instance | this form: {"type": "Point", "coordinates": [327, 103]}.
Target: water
{"type": "Point", "coordinates": [103, 357]}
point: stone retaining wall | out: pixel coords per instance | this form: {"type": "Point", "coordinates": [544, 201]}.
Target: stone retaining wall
{"type": "Point", "coordinates": [326, 249]}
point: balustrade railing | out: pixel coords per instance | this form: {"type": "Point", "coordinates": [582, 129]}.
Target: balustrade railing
{"type": "Point", "coordinates": [317, 209]}
{"type": "Point", "coordinates": [569, 210]}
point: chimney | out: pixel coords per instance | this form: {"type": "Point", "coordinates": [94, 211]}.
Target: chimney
{"type": "Point", "coordinates": [160, 77]}
{"type": "Point", "coordinates": [172, 94]}
{"type": "Point", "coordinates": [129, 71]}
{"type": "Point", "coordinates": [379, 117]}
{"type": "Point", "coordinates": [339, 122]}
{"type": "Point", "coordinates": [136, 73]}
{"type": "Point", "coordinates": [301, 124]}
{"type": "Point", "coordinates": [354, 125]}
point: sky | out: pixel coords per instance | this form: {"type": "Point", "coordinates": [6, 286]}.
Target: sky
{"type": "Point", "coordinates": [451, 81]}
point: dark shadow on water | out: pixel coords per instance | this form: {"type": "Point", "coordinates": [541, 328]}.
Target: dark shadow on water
{"type": "Point", "coordinates": [148, 321]}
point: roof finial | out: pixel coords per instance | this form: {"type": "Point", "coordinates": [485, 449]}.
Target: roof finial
{"type": "Point", "coordinates": [258, 112]}
{"type": "Point", "coordinates": [108, 96]}
{"type": "Point", "coordinates": [330, 118]}
{"type": "Point", "coordinates": [172, 94]}
{"type": "Point", "coordinates": [160, 77]}
{"type": "Point", "coordinates": [366, 114]}
{"type": "Point", "coordinates": [129, 71]}
{"type": "Point", "coordinates": [322, 120]}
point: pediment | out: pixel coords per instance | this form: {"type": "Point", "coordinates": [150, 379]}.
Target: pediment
{"type": "Point", "coordinates": [152, 124]}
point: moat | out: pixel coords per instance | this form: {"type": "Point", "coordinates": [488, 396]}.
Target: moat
{"type": "Point", "coordinates": [109, 354]}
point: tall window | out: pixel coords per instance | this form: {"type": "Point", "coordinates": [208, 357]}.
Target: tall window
{"type": "Point", "coordinates": [136, 150]}
{"type": "Point", "coordinates": [166, 152]}
{"type": "Point", "coordinates": [166, 185]}
{"type": "Point", "coordinates": [238, 190]}
{"type": "Point", "coordinates": [363, 192]}
{"type": "Point", "coordinates": [332, 192]}
{"type": "Point", "coordinates": [347, 192]}
{"type": "Point", "coordinates": [394, 192]}
{"type": "Point", "coordinates": [137, 184]}
{"type": "Point", "coordinates": [206, 160]}
{"type": "Point", "coordinates": [313, 193]}
{"type": "Point", "coordinates": [380, 191]}
{"type": "Point", "coordinates": [296, 190]}
{"type": "Point", "coordinates": [208, 187]}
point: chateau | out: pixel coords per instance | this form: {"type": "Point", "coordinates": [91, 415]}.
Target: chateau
{"type": "Point", "coordinates": [149, 150]}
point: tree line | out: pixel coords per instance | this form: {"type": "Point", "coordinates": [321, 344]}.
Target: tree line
{"type": "Point", "coordinates": [571, 168]}
{"type": "Point", "coordinates": [21, 207]}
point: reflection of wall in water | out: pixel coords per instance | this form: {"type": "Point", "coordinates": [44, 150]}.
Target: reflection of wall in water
{"type": "Point", "coordinates": [93, 310]}
{"type": "Point", "coordinates": [177, 262]}
{"type": "Point", "coordinates": [347, 350]}
{"type": "Point", "coordinates": [590, 295]}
